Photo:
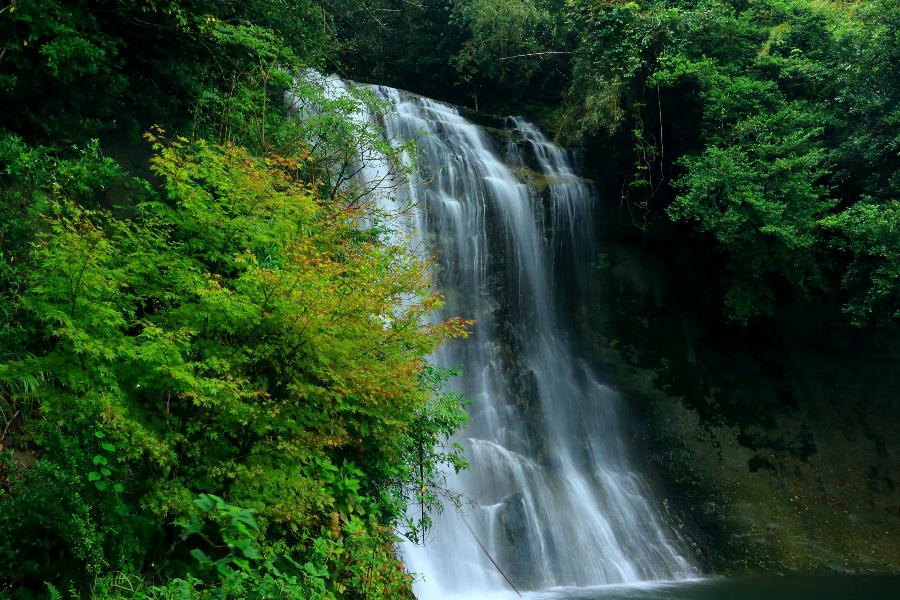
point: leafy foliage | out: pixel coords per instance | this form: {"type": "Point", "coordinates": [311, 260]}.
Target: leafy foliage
{"type": "Point", "coordinates": [213, 374]}
{"type": "Point", "coordinates": [770, 127]}
{"type": "Point", "coordinates": [502, 37]}
{"type": "Point", "coordinates": [234, 335]}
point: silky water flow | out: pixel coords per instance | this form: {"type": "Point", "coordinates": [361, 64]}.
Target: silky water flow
{"type": "Point", "coordinates": [552, 495]}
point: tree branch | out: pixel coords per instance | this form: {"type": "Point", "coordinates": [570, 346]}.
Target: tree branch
{"type": "Point", "coordinates": [536, 54]}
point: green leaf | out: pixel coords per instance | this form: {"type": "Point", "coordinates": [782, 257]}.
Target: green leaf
{"type": "Point", "coordinates": [200, 556]}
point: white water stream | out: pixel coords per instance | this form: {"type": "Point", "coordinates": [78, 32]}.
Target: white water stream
{"type": "Point", "coordinates": [555, 498]}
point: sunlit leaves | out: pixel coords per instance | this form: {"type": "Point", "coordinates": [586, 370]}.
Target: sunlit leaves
{"type": "Point", "coordinates": [237, 335]}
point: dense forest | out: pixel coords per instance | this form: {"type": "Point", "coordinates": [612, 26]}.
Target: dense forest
{"type": "Point", "coordinates": [213, 374]}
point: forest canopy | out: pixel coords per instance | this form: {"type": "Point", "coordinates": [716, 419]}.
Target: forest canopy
{"type": "Point", "coordinates": [771, 128]}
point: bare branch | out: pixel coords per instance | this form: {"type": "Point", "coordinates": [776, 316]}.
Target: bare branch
{"type": "Point", "coordinates": [536, 54]}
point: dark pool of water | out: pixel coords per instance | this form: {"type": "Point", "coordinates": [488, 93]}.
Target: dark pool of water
{"type": "Point", "coordinates": [824, 587]}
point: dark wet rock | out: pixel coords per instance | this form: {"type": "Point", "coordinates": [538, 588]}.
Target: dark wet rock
{"type": "Point", "coordinates": [517, 559]}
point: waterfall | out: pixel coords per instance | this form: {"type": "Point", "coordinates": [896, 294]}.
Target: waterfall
{"type": "Point", "coordinates": [554, 495]}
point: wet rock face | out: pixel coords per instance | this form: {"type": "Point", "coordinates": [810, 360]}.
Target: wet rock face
{"type": "Point", "coordinates": [776, 453]}
{"type": "Point", "coordinates": [516, 560]}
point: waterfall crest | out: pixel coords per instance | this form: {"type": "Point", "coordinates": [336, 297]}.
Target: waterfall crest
{"type": "Point", "coordinates": [555, 498]}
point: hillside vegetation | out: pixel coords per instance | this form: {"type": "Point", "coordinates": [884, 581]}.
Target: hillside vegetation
{"type": "Point", "coordinates": [212, 359]}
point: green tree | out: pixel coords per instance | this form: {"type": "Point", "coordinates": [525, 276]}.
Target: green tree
{"type": "Point", "coordinates": [757, 124]}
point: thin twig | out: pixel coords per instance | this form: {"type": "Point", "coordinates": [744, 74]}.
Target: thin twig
{"type": "Point", "coordinates": [8, 423]}
{"type": "Point", "coordinates": [536, 54]}
{"type": "Point", "coordinates": [488, 554]}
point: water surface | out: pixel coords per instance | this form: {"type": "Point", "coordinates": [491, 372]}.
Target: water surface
{"type": "Point", "coordinates": [815, 587]}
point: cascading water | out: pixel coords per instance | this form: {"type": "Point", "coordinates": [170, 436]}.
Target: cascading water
{"type": "Point", "coordinates": [554, 498]}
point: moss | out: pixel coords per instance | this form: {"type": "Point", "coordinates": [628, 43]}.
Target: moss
{"type": "Point", "coordinates": [510, 134]}
{"type": "Point", "coordinates": [540, 180]}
